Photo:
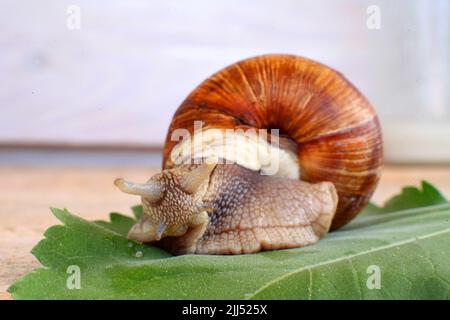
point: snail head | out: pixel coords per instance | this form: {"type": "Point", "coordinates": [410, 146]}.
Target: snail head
{"type": "Point", "coordinates": [171, 200]}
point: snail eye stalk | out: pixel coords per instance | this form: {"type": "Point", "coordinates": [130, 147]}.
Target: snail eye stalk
{"type": "Point", "coordinates": [152, 191]}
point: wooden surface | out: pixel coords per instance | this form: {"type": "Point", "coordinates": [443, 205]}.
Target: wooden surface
{"type": "Point", "coordinates": [27, 193]}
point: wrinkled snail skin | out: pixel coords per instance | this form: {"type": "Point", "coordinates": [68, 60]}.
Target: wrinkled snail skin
{"type": "Point", "coordinates": [245, 216]}
{"type": "Point", "coordinates": [233, 210]}
{"type": "Point", "coordinates": [331, 152]}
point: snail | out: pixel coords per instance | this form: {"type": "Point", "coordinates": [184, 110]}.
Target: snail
{"type": "Point", "coordinates": [309, 165]}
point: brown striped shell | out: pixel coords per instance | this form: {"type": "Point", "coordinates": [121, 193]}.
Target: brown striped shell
{"type": "Point", "coordinates": [335, 128]}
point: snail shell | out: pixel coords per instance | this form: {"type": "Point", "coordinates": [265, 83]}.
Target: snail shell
{"type": "Point", "coordinates": [329, 153]}
{"type": "Point", "coordinates": [335, 131]}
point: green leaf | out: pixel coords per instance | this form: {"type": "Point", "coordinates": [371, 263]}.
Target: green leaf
{"type": "Point", "coordinates": [117, 223]}
{"type": "Point", "coordinates": [409, 245]}
{"type": "Point", "coordinates": [137, 211]}
{"type": "Point", "coordinates": [410, 197]}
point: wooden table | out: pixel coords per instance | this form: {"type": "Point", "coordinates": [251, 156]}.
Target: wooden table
{"type": "Point", "coordinates": [28, 192]}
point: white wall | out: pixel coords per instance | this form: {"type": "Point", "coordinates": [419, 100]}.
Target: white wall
{"type": "Point", "coordinates": [119, 78]}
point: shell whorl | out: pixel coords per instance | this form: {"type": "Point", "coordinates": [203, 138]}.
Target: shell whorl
{"type": "Point", "coordinates": [334, 127]}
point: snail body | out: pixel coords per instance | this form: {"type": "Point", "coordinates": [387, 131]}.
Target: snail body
{"type": "Point", "coordinates": [328, 153]}
{"type": "Point", "coordinates": [229, 209]}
